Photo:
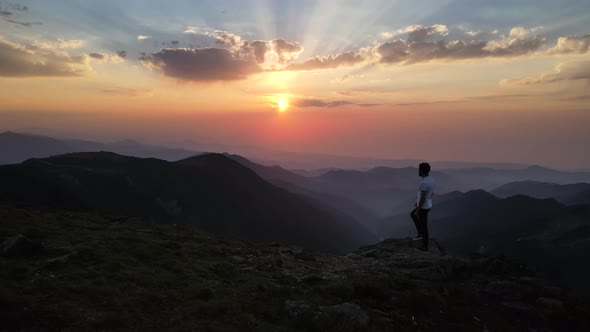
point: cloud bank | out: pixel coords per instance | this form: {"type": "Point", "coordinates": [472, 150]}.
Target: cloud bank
{"type": "Point", "coordinates": [39, 59]}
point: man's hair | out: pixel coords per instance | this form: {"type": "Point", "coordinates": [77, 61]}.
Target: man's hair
{"type": "Point", "coordinates": [424, 168]}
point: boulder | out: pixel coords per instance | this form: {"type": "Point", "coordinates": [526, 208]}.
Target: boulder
{"type": "Point", "coordinates": [21, 246]}
{"type": "Point", "coordinates": [504, 289]}
{"type": "Point", "coordinates": [297, 309]}
{"type": "Point", "coordinates": [61, 261]}
{"type": "Point", "coordinates": [551, 307]}
{"type": "Point", "coordinates": [350, 312]}
{"type": "Point", "coordinates": [518, 307]}
{"type": "Point", "coordinates": [305, 256]}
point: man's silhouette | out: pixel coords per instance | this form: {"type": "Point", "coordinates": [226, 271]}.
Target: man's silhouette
{"type": "Point", "coordinates": [423, 204]}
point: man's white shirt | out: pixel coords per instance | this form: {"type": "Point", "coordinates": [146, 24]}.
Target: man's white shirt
{"type": "Point", "coordinates": [426, 184]}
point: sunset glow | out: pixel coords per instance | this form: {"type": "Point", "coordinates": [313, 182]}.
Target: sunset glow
{"type": "Point", "coordinates": [282, 104]}
{"type": "Point", "coordinates": [323, 61]}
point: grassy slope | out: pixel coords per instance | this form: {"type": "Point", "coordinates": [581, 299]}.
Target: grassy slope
{"type": "Point", "coordinates": [130, 275]}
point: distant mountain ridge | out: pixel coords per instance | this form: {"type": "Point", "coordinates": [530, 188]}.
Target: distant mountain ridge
{"type": "Point", "coordinates": [16, 148]}
{"type": "Point", "coordinates": [210, 192]}
{"type": "Point", "coordinates": [571, 194]}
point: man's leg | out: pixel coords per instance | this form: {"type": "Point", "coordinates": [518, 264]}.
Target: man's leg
{"type": "Point", "coordinates": [416, 222]}
{"type": "Point", "coordinates": [424, 226]}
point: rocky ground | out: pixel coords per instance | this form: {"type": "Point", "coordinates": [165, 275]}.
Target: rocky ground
{"type": "Point", "coordinates": [78, 272]}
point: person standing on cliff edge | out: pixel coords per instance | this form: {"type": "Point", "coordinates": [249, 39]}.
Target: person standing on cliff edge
{"type": "Point", "coordinates": [423, 204]}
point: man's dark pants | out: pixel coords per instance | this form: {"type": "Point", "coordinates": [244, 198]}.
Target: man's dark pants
{"type": "Point", "coordinates": [421, 224]}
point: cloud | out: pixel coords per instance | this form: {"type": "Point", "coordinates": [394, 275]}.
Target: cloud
{"type": "Point", "coordinates": [71, 44]}
{"type": "Point", "coordinates": [121, 91]}
{"type": "Point", "coordinates": [421, 46]}
{"type": "Point", "coordinates": [568, 71]}
{"type": "Point", "coordinates": [260, 48]}
{"type": "Point", "coordinates": [409, 52]}
{"type": "Point", "coordinates": [97, 56]}
{"type": "Point", "coordinates": [122, 54]}
{"type": "Point", "coordinates": [473, 99]}
{"type": "Point", "coordinates": [417, 32]}
{"type": "Point", "coordinates": [521, 32]}
{"type": "Point", "coordinates": [39, 59]}
{"type": "Point", "coordinates": [305, 103]}
{"type": "Point", "coordinates": [331, 61]}
{"type": "Point", "coordinates": [19, 7]}
{"type": "Point", "coordinates": [571, 45]}
{"type": "Point", "coordinates": [421, 33]}
{"type": "Point", "coordinates": [7, 16]}
{"type": "Point", "coordinates": [142, 37]}
{"type": "Point", "coordinates": [286, 50]}
{"type": "Point", "coordinates": [201, 65]}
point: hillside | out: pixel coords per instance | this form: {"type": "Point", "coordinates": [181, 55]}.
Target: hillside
{"type": "Point", "coordinates": [210, 192]}
{"type": "Point", "coordinates": [544, 233]}
{"type": "Point", "coordinates": [85, 272]}
{"type": "Point", "coordinates": [571, 194]}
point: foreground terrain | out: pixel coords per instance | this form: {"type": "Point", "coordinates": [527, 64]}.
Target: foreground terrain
{"type": "Point", "coordinates": [87, 272]}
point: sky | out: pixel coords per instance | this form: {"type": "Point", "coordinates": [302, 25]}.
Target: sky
{"type": "Point", "coordinates": [463, 80]}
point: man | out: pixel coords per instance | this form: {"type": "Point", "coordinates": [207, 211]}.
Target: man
{"type": "Point", "coordinates": [423, 204]}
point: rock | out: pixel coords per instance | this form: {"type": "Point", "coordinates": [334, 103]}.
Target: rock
{"type": "Point", "coordinates": [371, 253]}
{"type": "Point", "coordinates": [351, 312]}
{"type": "Point", "coordinates": [312, 279]}
{"type": "Point", "coordinates": [305, 256]}
{"type": "Point", "coordinates": [20, 245]}
{"type": "Point", "coordinates": [435, 273]}
{"type": "Point", "coordinates": [61, 261]}
{"type": "Point", "coordinates": [296, 309]}
{"type": "Point", "coordinates": [507, 290]}
{"type": "Point", "coordinates": [551, 291]}
{"type": "Point", "coordinates": [551, 307]}
{"type": "Point", "coordinates": [519, 307]}
{"type": "Point", "coordinates": [433, 246]}
{"type": "Point", "coordinates": [353, 256]}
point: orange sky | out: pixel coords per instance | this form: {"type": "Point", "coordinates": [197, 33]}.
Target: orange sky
{"type": "Point", "coordinates": [425, 80]}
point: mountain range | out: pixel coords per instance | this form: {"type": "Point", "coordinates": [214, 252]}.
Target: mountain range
{"type": "Point", "coordinates": [17, 147]}
{"type": "Point", "coordinates": [571, 194]}
{"type": "Point", "coordinates": [210, 192]}
{"type": "Point", "coordinates": [544, 233]}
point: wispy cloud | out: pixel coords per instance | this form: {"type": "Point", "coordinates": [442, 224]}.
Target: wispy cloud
{"type": "Point", "coordinates": [305, 103]}
{"type": "Point", "coordinates": [568, 71]}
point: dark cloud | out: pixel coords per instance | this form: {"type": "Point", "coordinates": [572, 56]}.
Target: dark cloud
{"type": "Point", "coordinates": [260, 48]}
{"type": "Point", "coordinates": [97, 56]}
{"type": "Point", "coordinates": [420, 46]}
{"type": "Point", "coordinates": [17, 60]}
{"type": "Point", "coordinates": [286, 50]}
{"type": "Point", "coordinates": [422, 33]}
{"type": "Point", "coordinates": [122, 54]}
{"type": "Point", "coordinates": [328, 62]}
{"type": "Point", "coordinates": [409, 52]}
{"type": "Point", "coordinates": [305, 103]}
{"type": "Point", "coordinates": [572, 45]}
{"type": "Point", "coordinates": [201, 65]}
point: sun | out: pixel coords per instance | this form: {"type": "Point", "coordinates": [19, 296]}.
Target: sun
{"type": "Point", "coordinates": [282, 104]}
